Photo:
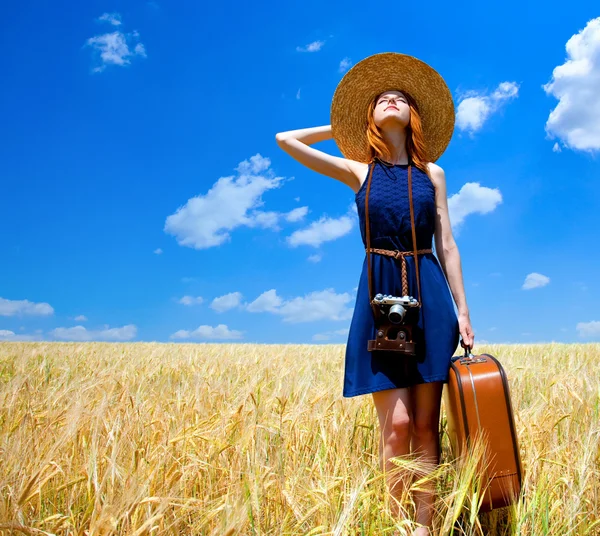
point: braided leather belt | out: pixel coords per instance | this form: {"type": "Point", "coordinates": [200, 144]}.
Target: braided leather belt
{"type": "Point", "coordinates": [402, 255]}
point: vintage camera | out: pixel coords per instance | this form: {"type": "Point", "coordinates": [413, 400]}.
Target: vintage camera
{"type": "Point", "coordinates": [395, 307]}
{"type": "Point", "coordinates": [394, 321]}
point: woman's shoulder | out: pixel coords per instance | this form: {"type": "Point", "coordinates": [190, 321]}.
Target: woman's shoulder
{"type": "Point", "coordinates": [432, 167]}
{"type": "Point", "coordinates": [436, 175]}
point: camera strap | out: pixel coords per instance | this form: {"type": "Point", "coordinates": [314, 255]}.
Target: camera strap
{"type": "Point", "coordinates": [414, 232]}
{"type": "Point", "coordinates": [393, 253]}
{"type": "Point", "coordinates": [368, 233]}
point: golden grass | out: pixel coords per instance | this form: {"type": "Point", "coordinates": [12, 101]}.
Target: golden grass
{"type": "Point", "coordinates": [223, 439]}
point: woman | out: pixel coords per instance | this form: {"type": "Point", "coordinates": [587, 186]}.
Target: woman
{"type": "Point", "coordinates": [393, 114]}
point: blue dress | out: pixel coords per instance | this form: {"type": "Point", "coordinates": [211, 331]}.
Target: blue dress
{"type": "Point", "coordinates": [436, 333]}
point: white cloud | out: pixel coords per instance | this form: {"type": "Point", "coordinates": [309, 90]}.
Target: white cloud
{"type": "Point", "coordinates": [298, 95]}
{"type": "Point", "coordinates": [267, 220]}
{"type": "Point", "coordinates": [318, 305]}
{"type": "Point", "coordinates": [296, 214]}
{"type": "Point", "coordinates": [475, 108]}
{"type": "Point", "coordinates": [315, 46]}
{"type": "Point", "coordinates": [111, 18]}
{"type": "Point", "coordinates": [24, 307]}
{"type": "Point", "coordinates": [7, 335]}
{"type": "Point", "coordinates": [80, 318]}
{"type": "Point", "coordinates": [323, 230]}
{"type": "Point", "coordinates": [206, 220]}
{"type": "Point", "coordinates": [472, 199]}
{"type": "Point", "coordinates": [472, 112]}
{"type": "Point", "coordinates": [140, 50]}
{"type": "Point", "coordinates": [80, 333]}
{"type": "Point", "coordinates": [321, 337]}
{"type": "Point", "coordinates": [226, 302]}
{"type": "Point", "coordinates": [556, 148]}
{"type": "Point", "coordinates": [535, 280]}
{"type": "Point", "coordinates": [588, 329]}
{"type": "Point", "coordinates": [505, 91]}
{"type": "Point", "coordinates": [328, 335]}
{"type": "Point", "coordinates": [191, 300]}
{"type": "Point", "coordinates": [315, 258]}
{"type": "Point", "coordinates": [208, 332]}
{"type": "Point", "coordinates": [344, 65]}
{"type": "Point", "coordinates": [115, 48]}
{"type": "Point", "coordinates": [158, 251]}
{"type": "Point", "coordinates": [267, 302]}
{"type": "Point", "coordinates": [576, 118]}
{"type": "Point", "coordinates": [255, 164]}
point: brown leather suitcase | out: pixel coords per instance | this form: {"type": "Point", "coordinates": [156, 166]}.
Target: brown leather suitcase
{"type": "Point", "coordinates": [477, 399]}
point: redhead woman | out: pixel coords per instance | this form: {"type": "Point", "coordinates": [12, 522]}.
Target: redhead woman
{"type": "Point", "coordinates": [392, 116]}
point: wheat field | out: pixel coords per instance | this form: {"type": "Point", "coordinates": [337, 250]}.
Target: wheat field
{"type": "Point", "coordinates": [224, 439]}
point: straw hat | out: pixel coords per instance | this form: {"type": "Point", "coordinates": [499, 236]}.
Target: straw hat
{"type": "Point", "coordinates": [385, 72]}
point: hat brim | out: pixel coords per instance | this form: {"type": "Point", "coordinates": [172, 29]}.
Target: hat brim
{"type": "Point", "coordinates": [385, 72]}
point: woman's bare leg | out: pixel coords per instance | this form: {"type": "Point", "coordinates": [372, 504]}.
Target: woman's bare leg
{"type": "Point", "coordinates": [393, 410]}
{"type": "Point", "coordinates": [425, 403]}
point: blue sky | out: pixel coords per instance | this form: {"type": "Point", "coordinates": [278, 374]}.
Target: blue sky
{"type": "Point", "coordinates": [144, 196]}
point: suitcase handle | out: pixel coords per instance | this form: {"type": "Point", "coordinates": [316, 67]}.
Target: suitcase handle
{"type": "Point", "coordinates": [468, 352]}
{"type": "Point", "coordinates": [468, 355]}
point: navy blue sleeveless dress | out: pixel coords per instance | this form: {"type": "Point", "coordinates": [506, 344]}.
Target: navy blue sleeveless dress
{"type": "Point", "coordinates": [436, 333]}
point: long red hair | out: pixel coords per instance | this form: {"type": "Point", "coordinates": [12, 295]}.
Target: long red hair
{"type": "Point", "coordinates": [415, 140]}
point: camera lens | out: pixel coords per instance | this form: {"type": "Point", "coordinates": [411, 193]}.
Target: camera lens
{"type": "Point", "coordinates": [396, 314]}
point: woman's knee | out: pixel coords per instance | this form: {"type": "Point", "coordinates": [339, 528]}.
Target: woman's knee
{"type": "Point", "coordinates": [397, 433]}
{"type": "Point", "coordinates": [425, 399]}
{"type": "Point", "coordinates": [393, 410]}
{"type": "Point", "coordinates": [424, 430]}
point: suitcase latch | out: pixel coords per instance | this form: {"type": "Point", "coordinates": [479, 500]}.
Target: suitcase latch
{"type": "Point", "coordinates": [471, 360]}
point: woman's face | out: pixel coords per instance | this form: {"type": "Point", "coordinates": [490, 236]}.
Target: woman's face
{"type": "Point", "coordinates": [391, 107]}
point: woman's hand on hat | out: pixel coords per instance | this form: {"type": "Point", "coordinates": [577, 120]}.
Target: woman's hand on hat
{"type": "Point", "coordinates": [308, 136]}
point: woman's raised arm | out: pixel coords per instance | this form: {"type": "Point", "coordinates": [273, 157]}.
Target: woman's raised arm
{"type": "Point", "coordinates": [297, 144]}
